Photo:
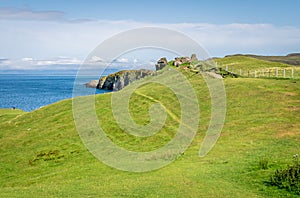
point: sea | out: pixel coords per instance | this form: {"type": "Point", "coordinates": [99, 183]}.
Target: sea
{"type": "Point", "coordinates": [31, 92]}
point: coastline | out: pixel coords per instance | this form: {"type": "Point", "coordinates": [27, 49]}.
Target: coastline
{"type": "Point", "coordinates": [31, 92]}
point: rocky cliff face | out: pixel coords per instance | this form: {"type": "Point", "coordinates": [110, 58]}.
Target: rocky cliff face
{"type": "Point", "coordinates": [119, 80]}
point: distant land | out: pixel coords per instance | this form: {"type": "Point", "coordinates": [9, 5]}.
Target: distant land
{"type": "Point", "coordinates": [291, 59]}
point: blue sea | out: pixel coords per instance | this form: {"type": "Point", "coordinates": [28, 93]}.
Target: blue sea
{"type": "Point", "coordinates": [30, 92]}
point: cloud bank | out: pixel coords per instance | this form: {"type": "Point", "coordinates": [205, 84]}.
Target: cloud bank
{"type": "Point", "coordinates": [27, 14]}
{"type": "Point", "coordinates": [38, 39]}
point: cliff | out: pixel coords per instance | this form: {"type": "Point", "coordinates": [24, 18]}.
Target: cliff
{"type": "Point", "coordinates": [119, 80]}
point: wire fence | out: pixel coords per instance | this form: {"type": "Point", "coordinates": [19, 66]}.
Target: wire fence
{"type": "Point", "coordinates": [290, 72]}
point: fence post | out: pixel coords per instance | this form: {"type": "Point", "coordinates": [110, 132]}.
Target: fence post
{"type": "Point", "coordinates": [284, 73]}
{"type": "Point", "coordinates": [226, 68]}
{"type": "Point", "coordinates": [292, 72]}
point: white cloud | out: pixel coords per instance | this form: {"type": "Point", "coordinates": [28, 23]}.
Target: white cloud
{"type": "Point", "coordinates": [42, 39]}
{"type": "Point", "coordinates": [96, 59]}
{"type": "Point", "coordinates": [4, 61]}
{"type": "Point", "coordinates": [152, 63]}
{"type": "Point", "coordinates": [58, 63]}
{"type": "Point", "coordinates": [246, 38]}
{"type": "Point", "coordinates": [121, 60]}
{"type": "Point", "coordinates": [27, 59]}
{"type": "Point", "coordinates": [31, 38]}
{"type": "Point", "coordinates": [28, 14]}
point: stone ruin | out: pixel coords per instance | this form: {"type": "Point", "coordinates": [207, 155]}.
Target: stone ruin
{"type": "Point", "coordinates": [181, 60]}
{"type": "Point", "coordinates": [161, 63]}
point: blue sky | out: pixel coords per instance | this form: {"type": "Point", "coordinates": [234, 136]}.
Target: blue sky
{"type": "Point", "coordinates": [59, 34]}
{"type": "Point", "coordinates": [276, 12]}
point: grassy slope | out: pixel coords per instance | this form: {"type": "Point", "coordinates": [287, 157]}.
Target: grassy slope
{"type": "Point", "coordinates": [8, 114]}
{"type": "Point", "coordinates": [250, 64]}
{"type": "Point", "coordinates": [244, 62]}
{"type": "Point", "coordinates": [291, 59]}
{"type": "Point", "coordinates": [41, 153]}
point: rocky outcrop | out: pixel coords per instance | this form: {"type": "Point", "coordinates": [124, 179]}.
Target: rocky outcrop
{"type": "Point", "coordinates": [119, 80]}
{"type": "Point", "coordinates": [161, 63]}
{"type": "Point", "coordinates": [181, 60]}
{"type": "Point", "coordinates": [91, 84]}
{"type": "Point", "coordinates": [194, 57]}
{"type": "Point", "coordinates": [214, 75]}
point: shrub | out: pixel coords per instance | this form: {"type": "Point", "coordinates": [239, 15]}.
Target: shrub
{"type": "Point", "coordinates": [288, 178]}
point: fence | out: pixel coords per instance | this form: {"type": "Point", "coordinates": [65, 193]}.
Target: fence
{"type": "Point", "coordinates": [290, 72]}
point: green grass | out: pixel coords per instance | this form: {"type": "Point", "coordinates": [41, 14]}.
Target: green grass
{"type": "Point", "coordinates": [41, 154]}
{"type": "Point", "coordinates": [8, 114]}
{"type": "Point", "coordinates": [247, 66]}
{"type": "Point", "coordinates": [291, 59]}
{"type": "Point", "coordinates": [244, 62]}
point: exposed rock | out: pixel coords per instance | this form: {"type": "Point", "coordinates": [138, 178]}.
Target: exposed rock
{"type": "Point", "coordinates": [177, 63]}
{"type": "Point", "coordinates": [199, 66]}
{"type": "Point", "coordinates": [180, 60]}
{"type": "Point", "coordinates": [91, 84]}
{"type": "Point", "coordinates": [161, 63]}
{"type": "Point", "coordinates": [194, 57]}
{"type": "Point", "coordinates": [119, 80]}
{"type": "Point", "coordinates": [214, 75]}
{"type": "Point", "coordinates": [101, 82]}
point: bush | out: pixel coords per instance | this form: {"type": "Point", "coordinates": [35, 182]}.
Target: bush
{"type": "Point", "coordinates": [288, 178]}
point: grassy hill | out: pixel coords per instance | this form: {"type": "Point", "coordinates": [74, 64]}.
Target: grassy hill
{"type": "Point", "coordinates": [42, 155]}
{"type": "Point", "coordinates": [245, 62]}
{"type": "Point", "coordinates": [291, 59]}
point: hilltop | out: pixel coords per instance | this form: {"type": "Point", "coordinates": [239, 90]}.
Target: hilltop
{"type": "Point", "coordinates": [291, 59]}
{"type": "Point", "coordinates": [247, 62]}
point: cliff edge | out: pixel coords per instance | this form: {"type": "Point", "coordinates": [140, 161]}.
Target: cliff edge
{"type": "Point", "coordinates": [119, 80]}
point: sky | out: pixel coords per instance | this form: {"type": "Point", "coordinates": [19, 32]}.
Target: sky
{"type": "Point", "coordinates": [59, 35]}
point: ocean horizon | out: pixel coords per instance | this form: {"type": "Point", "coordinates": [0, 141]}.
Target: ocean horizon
{"type": "Point", "coordinates": [33, 91]}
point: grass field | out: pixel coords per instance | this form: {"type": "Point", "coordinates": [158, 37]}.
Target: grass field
{"type": "Point", "coordinates": [251, 67]}
{"type": "Point", "coordinates": [41, 154]}
{"type": "Point", "coordinates": [244, 62]}
{"type": "Point", "coordinates": [291, 59]}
